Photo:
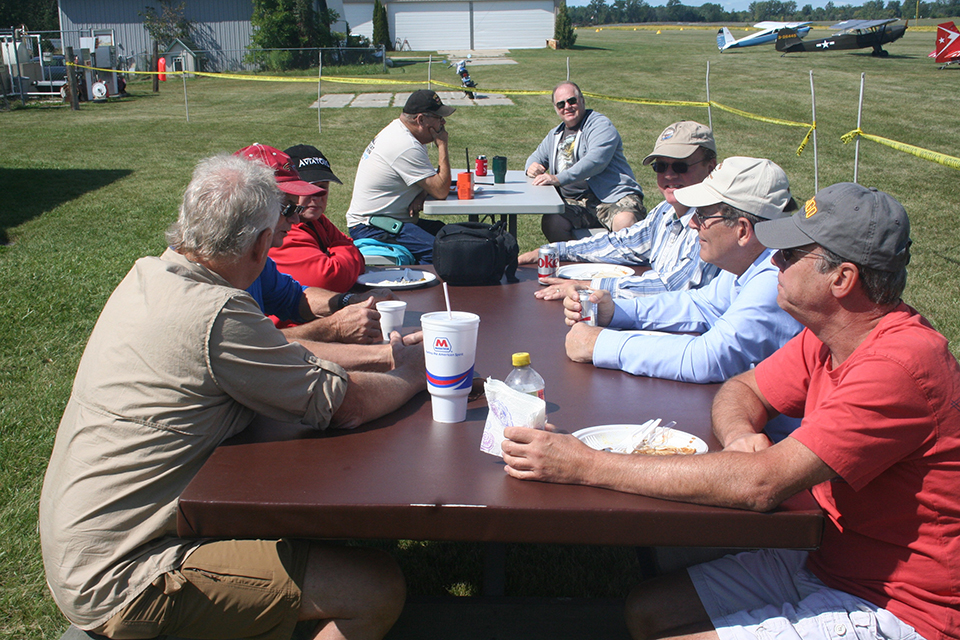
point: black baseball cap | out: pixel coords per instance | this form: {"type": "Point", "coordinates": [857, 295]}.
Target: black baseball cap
{"type": "Point", "coordinates": [312, 165]}
{"type": "Point", "coordinates": [426, 101]}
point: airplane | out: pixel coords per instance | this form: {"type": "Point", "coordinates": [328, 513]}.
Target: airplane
{"type": "Point", "coordinates": [948, 44]}
{"type": "Point", "coordinates": [851, 34]}
{"type": "Point", "coordinates": [768, 33]}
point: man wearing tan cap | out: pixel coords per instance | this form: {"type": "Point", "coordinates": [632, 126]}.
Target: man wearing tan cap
{"type": "Point", "coordinates": [878, 391]}
{"type": "Point", "coordinates": [683, 155]}
{"type": "Point", "coordinates": [735, 318]}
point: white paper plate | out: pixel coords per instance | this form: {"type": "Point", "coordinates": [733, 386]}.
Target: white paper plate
{"type": "Point", "coordinates": [609, 436]}
{"type": "Point", "coordinates": [591, 271]}
{"type": "Point", "coordinates": [393, 278]}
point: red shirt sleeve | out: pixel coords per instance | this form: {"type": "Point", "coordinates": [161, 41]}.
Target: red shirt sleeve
{"type": "Point", "coordinates": [317, 254]}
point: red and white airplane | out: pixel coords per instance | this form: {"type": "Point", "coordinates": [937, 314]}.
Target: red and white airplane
{"type": "Point", "coordinates": [948, 44]}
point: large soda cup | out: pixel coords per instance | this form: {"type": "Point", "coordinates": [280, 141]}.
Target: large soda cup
{"type": "Point", "coordinates": [450, 350]}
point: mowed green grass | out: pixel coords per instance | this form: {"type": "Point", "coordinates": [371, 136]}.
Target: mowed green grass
{"type": "Point", "coordinates": [84, 194]}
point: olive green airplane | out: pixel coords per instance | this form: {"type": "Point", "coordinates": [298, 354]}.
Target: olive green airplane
{"type": "Point", "coordinates": [851, 34]}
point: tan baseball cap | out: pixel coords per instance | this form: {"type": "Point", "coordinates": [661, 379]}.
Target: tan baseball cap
{"type": "Point", "coordinates": [754, 185]}
{"type": "Point", "coordinates": [681, 139]}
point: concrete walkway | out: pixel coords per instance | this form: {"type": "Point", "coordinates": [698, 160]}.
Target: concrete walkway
{"type": "Point", "coordinates": [397, 100]}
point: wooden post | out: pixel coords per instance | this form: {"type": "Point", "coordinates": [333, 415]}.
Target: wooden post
{"type": "Point", "coordinates": [72, 81]}
{"type": "Point", "coordinates": [156, 59]}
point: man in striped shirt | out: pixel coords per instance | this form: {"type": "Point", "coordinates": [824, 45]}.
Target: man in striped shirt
{"type": "Point", "coordinates": [684, 155]}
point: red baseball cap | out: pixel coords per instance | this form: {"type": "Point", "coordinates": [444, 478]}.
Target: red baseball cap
{"type": "Point", "coordinates": [288, 180]}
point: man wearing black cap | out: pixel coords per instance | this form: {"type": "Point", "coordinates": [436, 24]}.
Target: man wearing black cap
{"type": "Point", "coordinates": [315, 252]}
{"type": "Point", "coordinates": [395, 175]}
{"type": "Point", "coordinates": [878, 391]}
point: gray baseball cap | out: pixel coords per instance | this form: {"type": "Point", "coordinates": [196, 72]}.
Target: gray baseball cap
{"type": "Point", "coordinates": [863, 225]}
{"type": "Point", "coordinates": [681, 139]}
{"type": "Point", "coordinates": [755, 185]}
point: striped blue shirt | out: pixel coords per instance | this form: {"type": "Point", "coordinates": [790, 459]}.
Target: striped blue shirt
{"type": "Point", "coordinates": [661, 241]}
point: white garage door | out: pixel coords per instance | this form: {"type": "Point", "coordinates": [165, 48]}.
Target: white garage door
{"type": "Point", "coordinates": [359, 17]}
{"type": "Point", "coordinates": [431, 25]}
{"type": "Point", "coordinates": [526, 24]}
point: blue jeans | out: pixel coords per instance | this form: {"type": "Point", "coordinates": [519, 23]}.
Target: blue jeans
{"type": "Point", "coordinates": [418, 238]}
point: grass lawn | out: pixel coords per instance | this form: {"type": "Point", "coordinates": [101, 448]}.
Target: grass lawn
{"type": "Point", "coordinates": [86, 193]}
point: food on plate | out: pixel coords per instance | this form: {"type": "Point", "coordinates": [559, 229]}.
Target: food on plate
{"type": "Point", "coordinates": [664, 450]}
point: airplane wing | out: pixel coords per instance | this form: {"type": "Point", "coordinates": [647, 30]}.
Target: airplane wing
{"type": "Point", "coordinates": [860, 25]}
{"type": "Point", "coordinates": [780, 25]}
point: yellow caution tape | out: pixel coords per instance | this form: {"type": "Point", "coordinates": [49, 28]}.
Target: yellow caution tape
{"type": "Point", "coordinates": [926, 154]}
{"type": "Point", "coordinates": [806, 138]}
{"type": "Point", "coordinates": [753, 116]}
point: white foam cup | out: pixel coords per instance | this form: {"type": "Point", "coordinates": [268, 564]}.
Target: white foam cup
{"type": "Point", "coordinates": [450, 350]}
{"type": "Point", "coordinates": [391, 316]}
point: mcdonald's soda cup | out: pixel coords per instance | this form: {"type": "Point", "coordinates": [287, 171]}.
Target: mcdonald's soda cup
{"type": "Point", "coordinates": [450, 350]}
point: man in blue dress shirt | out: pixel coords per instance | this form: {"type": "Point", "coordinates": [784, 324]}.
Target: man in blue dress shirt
{"type": "Point", "coordinates": [735, 320]}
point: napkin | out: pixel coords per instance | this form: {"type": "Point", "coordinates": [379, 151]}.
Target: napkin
{"type": "Point", "coordinates": [508, 408]}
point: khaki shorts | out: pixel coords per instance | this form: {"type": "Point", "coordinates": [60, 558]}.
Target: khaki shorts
{"type": "Point", "coordinates": [224, 589]}
{"type": "Point", "coordinates": [590, 212]}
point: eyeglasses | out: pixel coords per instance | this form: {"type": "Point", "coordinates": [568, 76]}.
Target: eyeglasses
{"type": "Point", "coordinates": [788, 257]}
{"type": "Point", "coordinates": [701, 219]}
{"type": "Point", "coordinates": [572, 101]}
{"type": "Point", "coordinates": [679, 166]}
{"type": "Point", "coordinates": [291, 209]}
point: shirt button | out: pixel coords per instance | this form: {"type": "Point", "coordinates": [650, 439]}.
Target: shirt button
{"type": "Point", "coordinates": [839, 629]}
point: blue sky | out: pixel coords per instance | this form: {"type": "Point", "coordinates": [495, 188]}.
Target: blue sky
{"type": "Point", "coordinates": [729, 5]}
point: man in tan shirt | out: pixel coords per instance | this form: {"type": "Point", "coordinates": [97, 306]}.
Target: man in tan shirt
{"type": "Point", "coordinates": [180, 359]}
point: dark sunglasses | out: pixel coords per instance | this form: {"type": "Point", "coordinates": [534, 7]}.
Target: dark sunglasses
{"type": "Point", "coordinates": [790, 256]}
{"type": "Point", "coordinates": [679, 166]}
{"type": "Point", "coordinates": [291, 210]}
{"type": "Point", "coordinates": [572, 101]}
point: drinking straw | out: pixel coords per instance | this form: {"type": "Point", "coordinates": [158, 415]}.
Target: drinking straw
{"type": "Point", "coordinates": [446, 296]}
{"type": "Point", "coordinates": [467, 150]}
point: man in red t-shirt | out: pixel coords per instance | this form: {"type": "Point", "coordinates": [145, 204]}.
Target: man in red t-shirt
{"type": "Point", "coordinates": [879, 446]}
{"type": "Point", "coordinates": [315, 252]}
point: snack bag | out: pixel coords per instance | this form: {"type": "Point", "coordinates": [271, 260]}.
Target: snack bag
{"type": "Point", "coordinates": [508, 408]}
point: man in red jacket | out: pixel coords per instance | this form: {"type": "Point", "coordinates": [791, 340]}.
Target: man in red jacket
{"type": "Point", "coordinates": [315, 252]}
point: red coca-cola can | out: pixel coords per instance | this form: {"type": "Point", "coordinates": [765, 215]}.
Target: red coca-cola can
{"type": "Point", "coordinates": [481, 168]}
{"type": "Point", "coordinates": [548, 260]}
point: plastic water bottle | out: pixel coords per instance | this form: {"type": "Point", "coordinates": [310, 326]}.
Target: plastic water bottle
{"type": "Point", "coordinates": [523, 378]}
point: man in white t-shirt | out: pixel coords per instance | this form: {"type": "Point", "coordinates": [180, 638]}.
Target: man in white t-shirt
{"type": "Point", "coordinates": [395, 175]}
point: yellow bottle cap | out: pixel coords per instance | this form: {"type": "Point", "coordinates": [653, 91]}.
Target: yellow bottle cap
{"type": "Point", "coordinates": [521, 359]}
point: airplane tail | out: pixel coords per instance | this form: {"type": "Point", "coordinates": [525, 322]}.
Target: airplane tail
{"type": "Point", "coordinates": [724, 38]}
{"type": "Point", "coordinates": [786, 38]}
{"type": "Point", "coordinates": [948, 42]}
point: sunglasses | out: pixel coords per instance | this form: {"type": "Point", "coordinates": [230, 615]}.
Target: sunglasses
{"type": "Point", "coordinates": [289, 210]}
{"type": "Point", "coordinates": [572, 101]}
{"type": "Point", "coordinates": [679, 166]}
{"type": "Point", "coordinates": [788, 257]}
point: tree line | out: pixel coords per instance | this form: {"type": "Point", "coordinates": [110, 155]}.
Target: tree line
{"type": "Point", "coordinates": [598, 12]}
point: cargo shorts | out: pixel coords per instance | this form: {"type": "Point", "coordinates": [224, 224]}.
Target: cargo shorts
{"type": "Point", "coordinates": [590, 212]}
{"type": "Point", "coordinates": [224, 589]}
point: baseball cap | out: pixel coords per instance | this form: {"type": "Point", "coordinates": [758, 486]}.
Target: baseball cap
{"type": "Point", "coordinates": [426, 101]}
{"type": "Point", "coordinates": [312, 165]}
{"type": "Point", "coordinates": [860, 224]}
{"type": "Point", "coordinates": [288, 180]}
{"type": "Point", "coordinates": [681, 139]}
{"type": "Point", "coordinates": [754, 185]}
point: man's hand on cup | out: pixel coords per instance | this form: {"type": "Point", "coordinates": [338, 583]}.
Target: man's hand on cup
{"type": "Point", "coordinates": [407, 351]}
{"type": "Point", "coordinates": [535, 169]}
{"type": "Point", "coordinates": [560, 288]}
{"type": "Point", "coordinates": [572, 308]}
{"type": "Point", "coordinates": [358, 323]}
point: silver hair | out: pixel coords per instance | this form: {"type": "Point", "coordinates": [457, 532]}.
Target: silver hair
{"type": "Point", "coordinates": [228, 202]}
{"type": "Point", "coordinates": [565, 83]}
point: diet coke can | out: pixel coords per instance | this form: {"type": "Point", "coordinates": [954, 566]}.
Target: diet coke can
{"type": "Point", "coordinates": [481, 169]}
{"type": "Point", "coordinates": [588, 310]}
{"type": "Point", "coordinates": [547, 262]}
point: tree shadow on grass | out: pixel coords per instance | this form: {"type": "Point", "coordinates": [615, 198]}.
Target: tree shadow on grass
{"type": "Point", "coordinates": [29, 193]}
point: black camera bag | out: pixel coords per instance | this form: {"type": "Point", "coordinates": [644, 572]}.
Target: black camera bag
{"type": "Point", "coordinates": [474, 253]}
